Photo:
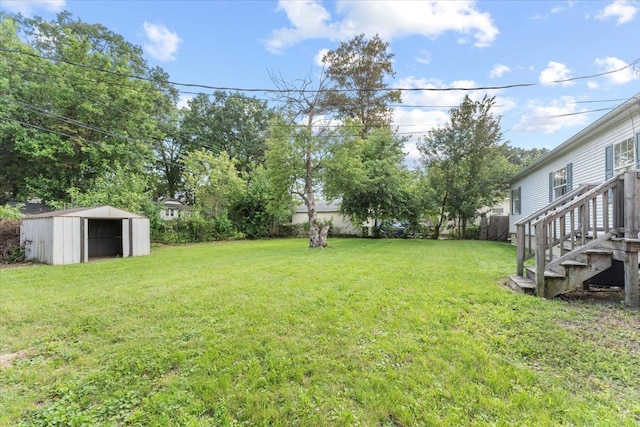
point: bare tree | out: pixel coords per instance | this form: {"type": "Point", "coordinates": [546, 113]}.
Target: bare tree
{"type": "Point", "coordinates": [298, 145]}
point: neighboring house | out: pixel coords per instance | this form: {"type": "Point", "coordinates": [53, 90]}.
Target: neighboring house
{"type": "Point", "coordinates": [340, 224]}
{"type": "Point", "coordinates": [173, 208]}
{"type": "Point", "coordinates": [31, 207]}
{"type": "Point", "coordinates": [77, 235]}
{"type": "Point", "coordinates": [574, 196]}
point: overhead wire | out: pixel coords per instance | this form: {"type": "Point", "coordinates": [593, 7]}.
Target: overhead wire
{"type": "Point", "coordinates": [281, 90]}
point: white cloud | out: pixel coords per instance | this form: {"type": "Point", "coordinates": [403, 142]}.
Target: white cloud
{"type": "Point", "coordinates": [424, 57]}
{"type": "Point", "coordinates": [318, 58]}
{"type": "Point", "coordinates": [559, 114]}
{"type": "Point", "coordinates": [29, 7]}
{"type": "Point", "coordinates": [499, 70]}
{"type": "Point", "coordinates": [183, 102]}
{"type": "Point", "coordinates": [554, 74]}
{"type": "Point", "coordinates": [622, 10]}
{"type": "Point", "coordinates": [162, 44]}
{"type": "Point", "coordinates": [593, 85]}
{"type": "Point", "coordinates": [565, 6]}
{"type": "Point", "coordinates": [625, 74]}
{"type": "Point", "coordinates": [424, 110]}
{"type": "Point", "coordinates": [309, 19]}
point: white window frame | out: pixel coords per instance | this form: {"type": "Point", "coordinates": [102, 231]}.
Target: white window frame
{"type": "Point", "coordinates": [559, 183]}
{"type": "Point", "coordinates": [516, 201]}
{"type": "Point", "coordinates": [624, 154]}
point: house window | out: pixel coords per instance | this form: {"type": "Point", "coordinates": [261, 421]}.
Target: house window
{"type": "Point", "coordinates": [515, 201]}
{"type": "Point", "coordinates": [559, 183]}
{"type": "Point", "coordinates": [623, 156]}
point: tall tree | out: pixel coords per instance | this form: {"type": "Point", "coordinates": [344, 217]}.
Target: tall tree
{"type": "Point", "coordinates": [368, 175]}
{"type": "Point", "coordinates": [81, 118]}
{"type": "Point", "coordinates": [213, 181]}
{"type": "Point", "coordinates": [357, 70]}
{"type": "Point", "coordinates": [465, 162]}
{"type": "Point", "coordinates": [230, 122]}
{"type": "Point", "coordinates": [297, 147]}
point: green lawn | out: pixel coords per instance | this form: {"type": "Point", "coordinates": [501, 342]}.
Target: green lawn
{"type": "Point", "coordinates": [365, 332]}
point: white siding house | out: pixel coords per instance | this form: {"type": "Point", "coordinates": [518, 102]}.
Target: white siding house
{"type": "Point", "coordinates": [603, 149]}
{"type": "Point", "coordinates": [77, 235]}
{"type": "Point", "coordinates": [576, 211]}
{"type": "Point", "coordinates": [340, 224]}
{"type": "Point", "coordinates": [174, 209]}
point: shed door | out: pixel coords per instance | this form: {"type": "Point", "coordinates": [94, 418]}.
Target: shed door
{"type": "Point", "coordinates": [105, 238]}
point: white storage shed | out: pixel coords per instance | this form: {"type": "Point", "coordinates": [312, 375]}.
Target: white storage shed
{"type": "Point", "coordinates": [77, 235]}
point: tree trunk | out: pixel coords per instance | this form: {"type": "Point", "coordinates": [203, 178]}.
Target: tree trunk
{"type": "Point", "coordinates": [317, 232]}
{"type": "Point", "coordinates": [443, 207]}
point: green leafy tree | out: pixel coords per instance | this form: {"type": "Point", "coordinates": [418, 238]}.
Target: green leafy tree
{"type": "Point", "coordinates": [213, 180]}
{"type": "Point", "coordinates": [465, 162]}
{"type": "Point", "coordinates": [68, 123]}
{"type": "Point", "coordinates": [256, 212]}
{"type": "Point", "coordinates": [119, 188]}
{"type": "Point", "coordinates": [368, 175]}
{"type": "Point", "coordinates": [230, 122]}
{"type": "Point", "coordinates": [357, 71]}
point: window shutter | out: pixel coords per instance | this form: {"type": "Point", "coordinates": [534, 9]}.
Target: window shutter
{"type": "Point", "coordinates": [550, 187]}
{"type": "Point", "coordinates": [637, 151]}
{"type": "Point", "coordinates": [569, 177]}
{"type": "Point", "coordinates": [608, 163]}
{"type": "Point", "coordinates": [519, 201]}
{"type": "Point", "coordinates": [513, 202]}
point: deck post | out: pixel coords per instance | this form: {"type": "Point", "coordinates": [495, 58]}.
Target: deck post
{"type": "Point", "coordinates": [541, 237]}
{"type": "Point", "coordinates": [632, 243]}
{"type": "Point", "coordinates": [520, 245]}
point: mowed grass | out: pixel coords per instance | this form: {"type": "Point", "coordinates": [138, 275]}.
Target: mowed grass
{"type": "Point", "coordinates": [365, 332]}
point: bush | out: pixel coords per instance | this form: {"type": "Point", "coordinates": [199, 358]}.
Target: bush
{"type": "Point", "coordinates": [193, 229]}
{"type": "Point", "coordinates": [10, 249]}
{"type": "Point", "coordinates": [471, 233]}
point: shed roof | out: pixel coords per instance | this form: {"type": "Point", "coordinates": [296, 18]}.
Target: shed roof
{"type": "Point", "coordinates": [102, 212]}
{"type": "Point", "coordinates": [619, 113]}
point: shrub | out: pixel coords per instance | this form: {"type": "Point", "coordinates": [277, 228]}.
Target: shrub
{"type": "Point", "coordinates": [471, 233]}
{"type": "Point", "coordinates": [10, 249]}
{"type": "Point", "coordinates": [193, 229]}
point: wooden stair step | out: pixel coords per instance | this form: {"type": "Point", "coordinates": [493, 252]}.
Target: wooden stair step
{"type": "Point", "coordinates": [522, 285]}
{"type": "Point", "coordinates": [553, 274]}
{"type": "Point", "coordinates": [573, 263]}
{"type": "Point", "coordinates": [599, 251]}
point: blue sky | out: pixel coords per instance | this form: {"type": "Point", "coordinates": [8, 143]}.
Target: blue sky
{"type": "Point", "coordinates": [437, 45]}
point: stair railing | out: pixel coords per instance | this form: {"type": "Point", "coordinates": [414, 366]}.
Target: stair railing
{"type": "Point", "coordinates": [589, 212]}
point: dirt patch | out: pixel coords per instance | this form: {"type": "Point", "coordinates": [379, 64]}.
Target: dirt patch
{"type": "Point", "coordinates": [6, 360]}
{"type": "Point", "coordinates": [595, 295]}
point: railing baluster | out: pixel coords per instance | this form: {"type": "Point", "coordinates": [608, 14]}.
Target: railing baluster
{"type": "Point", "coordinates": [574, 213]}
{"type": "Point", "coordinates": [605, 212]}
{"type": "Point", "coordinates": [595, 218]}
{"type": "Point", "coordinates": [563, 234]}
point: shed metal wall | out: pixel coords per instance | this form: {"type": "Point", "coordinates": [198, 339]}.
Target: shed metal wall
{"type": "Point", "coordinates": [588, 163]}
{"type": "Point", "coordinates": [141, 235]}
{"type": "Point", "coordinates": [65, 239]}
{"type": "Point", "coordinates": [36, 235]}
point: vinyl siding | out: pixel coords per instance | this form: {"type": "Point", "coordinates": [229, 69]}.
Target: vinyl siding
{"type": "Point", "coordinates": [588, 166]}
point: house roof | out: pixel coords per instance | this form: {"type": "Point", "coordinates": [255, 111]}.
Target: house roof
{"type": "Point", "coordinates": [96, 212]}
{"type": "Point", "coordinates": [621, 112]}
{"type": "Point", "coordinates": [31, 208]}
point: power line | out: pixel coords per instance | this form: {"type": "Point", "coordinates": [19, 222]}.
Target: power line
{"type": "Point", "coordinates": [267, 90]}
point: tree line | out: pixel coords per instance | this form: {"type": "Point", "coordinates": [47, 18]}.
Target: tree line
{"type": "Point", "coordinates": [85, 120]}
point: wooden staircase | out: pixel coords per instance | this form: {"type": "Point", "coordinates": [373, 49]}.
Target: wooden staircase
{"type": "Point", "coordinates": [578, 237]}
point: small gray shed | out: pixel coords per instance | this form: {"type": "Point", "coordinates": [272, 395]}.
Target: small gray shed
{"type": "Point", "coordinates": [77, 235]}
